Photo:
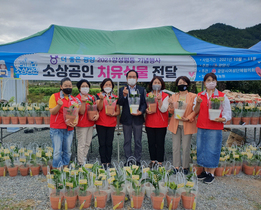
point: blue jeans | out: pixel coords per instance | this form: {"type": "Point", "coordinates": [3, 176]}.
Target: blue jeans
{"type": "Point", "coordinates": [209, 143]}
{"type": "Point", "coordinates": [62, 141]}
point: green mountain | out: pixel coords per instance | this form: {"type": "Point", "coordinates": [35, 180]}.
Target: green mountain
{"type": "Point", "coordinates": [229, 36]}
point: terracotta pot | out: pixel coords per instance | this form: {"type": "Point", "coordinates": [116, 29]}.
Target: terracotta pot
{"type": "Point", "coordinates": [14, 120]}
{"type": "Point", "coordinates": [258, 170]}
{"type": "Point", "coordinates": [12, 171]}
{"type": "Point", "coordinates": [254, 120]}
{"type": "Point", "coordinates": [219, 171]}
{"type": "Point", "coordinates": [22, 120]}
{"type": "Point", "coordinates": [246, 120]}
{"type": "Point", "coordinates": [6, 120]}
{"type": "Point", "coordinates": [71, 201]}
{"type": "Point", "coordinates": [30, 120]}
{"type": "Point", "coordinates": [198, 169]}
{"type": "Point", "coordinates": [259, 120]}
{"type": "Point", "coordinates": [91, 114]}
{"type": "Point", "coordinates": [24, 170]}
{"type": "Point", "coordinates": [117, 199]}
{"type": "Point", "coordinates": [248, 170]}
{"type": "Point", "coordinates": [236, 169]}
{"type": "Point", "coordinates": [228, 170]}
{"type": "Point", "coordinates": [156, 200]}
{"type": "Point", "coordinates": [153, 107]}
{"type": "Point", "coordinates": [44, 169]}
{"type": "Point", "coordinates": [137, 200]}
{"type": "Point", "coordinates": [35, 170]}
{"type": "Point", "coordinates": [38, 120]}
{"type": "Point", "coordinates": [110, 109]}
{"type": "Point", "coordinates": [2, 169]}
{"type": "Point", "coordinates": [101, 199]}
{"type": "Point", "coordinates": [175, 200]}
{"type": "Point", "coordinates": [55, 200]}
{"type": "Point", "coordinates": [70, 118]}
{"type": "Point", "coordinates": [236, 120]}
{"type": "Point", "coordinates": [0, 120]}
{"type": "Point", "coordinates": [87, 198]}
{"type": "Point", "coordinates": [187, 200]}
{"type": "Point", "coordinates": [228, 122]}
{"type": "Point", "coordinates": [46, 120]}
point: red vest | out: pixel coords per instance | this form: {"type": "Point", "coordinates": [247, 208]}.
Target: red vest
{"type": "Point", "coordinates": [203, 117]}
{"type": "Point", "coordinates": [83, 119]}
{"type": "Point", "coordinates": [104, 119]}
{"type": "Point", "coordinates": [158, 119]}
{"type": "Point", "coordinates": [57, 121]}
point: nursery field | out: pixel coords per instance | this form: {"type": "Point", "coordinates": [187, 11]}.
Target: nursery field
{"type": "Point", "coordinates": [228, 192]}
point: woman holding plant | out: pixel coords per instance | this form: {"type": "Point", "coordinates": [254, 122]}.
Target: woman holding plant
{"type": "Point", "coordinates": [105, 125]}
{"type": "Point", "coordinates": [209, 136]}
{"type": "Point", "coordinates": [85, 124]}
{"type": "Point", "coordinates": [182, 125]}
{"type": "Point", "coordinates": [61, 129]}
{"type": "Point", "coordinates": [156, 122]}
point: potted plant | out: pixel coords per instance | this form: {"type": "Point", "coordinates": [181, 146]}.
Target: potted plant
{"type": "Point", "coordinates": [71, 185]}
{"type": "Point", "coordinates": [188, 197]}
{"type": "Point", "coordinates": [12, 169]}
{"type": "Point", "coordinates": [229, 164]}
{"type": "Point", "coordinates": [91, 109]}
{"type": "Point", "coordinates": [137, 195]}
{"type": "Point", "coordinates": [34, 167]}
{"type": "Point", "coordinates": [117, 195]}
{"type": "Point", "coordinates": [258, 165]}
{"type": "Point", "coordinates": [215, 106]}
{"type": "Point", "coordinates": [56, 195]}
{"type": "Point", "coordinates": [157, 198]}
{"type": "Point", "coordinates": [110, 104]}
{"type": "Point", "coordinates": [151, 102]}
{"type": "Point", "coordinates": [38, 114]}
{"type": "Point", "coordinates": [249, 165]}
{"type": "Point", "coordinates": [46, 157]}
{"type": "Point", "coordinates": [46, 115]}
{"type": "Point", "coordinates": [246, 114]}
{"type": "Point", "coordinates": [254, 120]}
{"type": "Point", "coordinates": [179, 109]}
{"type": "Point", "coordinates": [173, 196]}
{"type": "Point", "coordinates": [29, 112]}
{"type": "Point", "coordinates": [71, 113]}
{"type": "Point", "coordinates": [5, 115]}
{"type": "Point", "coordinates": [13, 114]}
{"type": "Point", "coordinates": [24, 168]}
{"type": "Point", "coordinates": [85, 196]}
{"type": "Point", "coordinates": [2, 164]}
{"type": "Point", "coordinates": [134, 102]}
{"type": "Point", "coordinates": [100, 196]}
{"type": "Point", "coordinates": [220, 170]}
{"type": "Point", "coordinates": [237, 162]}
{"type": "Point", "coordinates": [22, 114]}
{"type": "Point", "coordinates": [236, 113]}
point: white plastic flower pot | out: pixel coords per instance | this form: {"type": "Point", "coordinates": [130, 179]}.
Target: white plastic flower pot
{"type": "Point", "coordinates": [179, 113]}
{"type": "Point", "coordinates": [134, 108]}
{"type": "Point", "coordinates": [214, 113]}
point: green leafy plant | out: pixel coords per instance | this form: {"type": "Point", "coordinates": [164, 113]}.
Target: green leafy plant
{"type": "Point", "coordinates": [33, 160]}
{"type": "Point", "coordinates": [83, 187]}
{"type": "Point", "coordinates": [172, 187]}
{"type": "Point", "coordinates": [215, 103]}
{"type": "Point", "coordinates": [236, 111]}
{"type": "Point", "coordinates": [58, 182]}
{"type": "Point", "coordinates": [11, 160]}
{"type": "Point", "coordinates": [154, 178]}
{"type": "Point", "coordinates": [117, 183]}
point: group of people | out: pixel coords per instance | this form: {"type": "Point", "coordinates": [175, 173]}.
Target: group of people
{"type": "Point", "coordinates": [195, 120]}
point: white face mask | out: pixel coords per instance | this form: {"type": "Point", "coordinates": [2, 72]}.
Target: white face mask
{"type": "Point", "coordinates": [85, 90]}
{"type": "Point", "coordinates": [156, 87]}
{"type": "Point", "coordinates": [211, 85]}
{"type": "Point", "coordinates": [107, 89]}
{"type": "Point", "coordinates": [132, 82]}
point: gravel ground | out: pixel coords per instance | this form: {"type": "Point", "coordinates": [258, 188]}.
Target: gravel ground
{"type": "Point", "coordinates": [234, 192]}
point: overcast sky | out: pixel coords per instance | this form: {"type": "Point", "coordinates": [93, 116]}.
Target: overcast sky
{"type": "Point", "coordinates": [22, 18]}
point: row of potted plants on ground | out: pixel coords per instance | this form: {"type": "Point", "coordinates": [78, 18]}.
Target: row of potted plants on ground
{"type": "Point", "coordinates": [234, 160]}
{"type": "Point", "coordinates": [26, 160]}
{"type": "Point", "coordinates": [249, 113]}
{"type": "Point", "coordinates": [92, 185]}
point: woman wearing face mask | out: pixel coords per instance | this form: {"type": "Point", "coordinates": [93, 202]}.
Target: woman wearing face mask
{"type": "Point", "coordinates": [61, 132]}
{"type": "Point", "coordinates": [209, 136]}
{"type": "Point", "coordinates": [106, 123]}
{"type": "Point", "coordinates": [84, 127]}
{"type": "Point", "coordinates": [184, 127]}
{"type": "Point", "coordinates": [156, 123]}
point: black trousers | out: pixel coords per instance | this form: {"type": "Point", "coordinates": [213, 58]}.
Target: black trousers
{"type": "Point", "coordinates": [105, 137]}
{"type": "Point", "coordinates": [156, 141]}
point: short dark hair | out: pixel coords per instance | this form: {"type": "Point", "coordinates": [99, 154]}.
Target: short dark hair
{"type": "Point", "coordinates": [132, 71]}
{"type": "Point", "coordinates": [212, 75]}
{"type": "Point", "coordinates": [79, 84]}
{"type": "Point", "coordinates": [184, 78]}
{"type": "Point", "coordinates": [161, 81]}
{"type": "Point", "coordinates": [65, 79]}
{"type": "Point", "coordinates": [104, 81]}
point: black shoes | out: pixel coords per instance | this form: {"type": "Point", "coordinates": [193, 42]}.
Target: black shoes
{"type": "Point", "coordinates": [202, 176]}
{"type": "Point", "coordinates": [209, 179]}
{"type": "Point", "coordinates": [185, 171]}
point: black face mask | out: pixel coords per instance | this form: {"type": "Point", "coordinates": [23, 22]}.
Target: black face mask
{"type": "Point", "coordinates": [67, 90]}
{"type": "Point", "coordinates": [182, 87]}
